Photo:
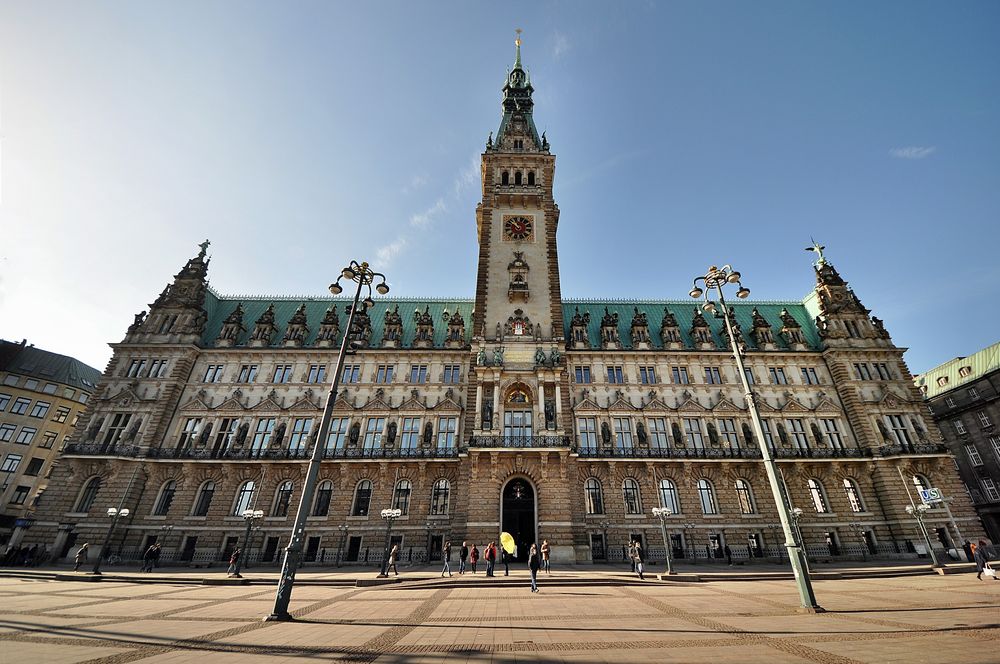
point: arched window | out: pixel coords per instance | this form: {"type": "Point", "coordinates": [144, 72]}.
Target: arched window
{"type": "Point", "coordinates": [87, 496]}
{"type": "Point", "coordinates": [531, 177]}
{"type": "Point", "coordinates": [818, 495]}
{"type": "Point", "coordinates": [281, 499]}
{"type": "Point", "coordinates": [630, 494]}
{"type": "Point", "coordinates": [401, 496]}
{"type": "Point", "coordinates": [744, 494]}
{"type": "Point", "coordinates": [321, 507]}
{"type": "Point", "coordinates": [921, 482]}
{"type": "Point", "coordinates": [853, 495]}
{"type": "Point", "coordinates": [505, 178]}
{"type": "Point", "coordinates": [594, 496]}
{"type": "Point", "coordinates": [204, 500]}
{"type": "Point", "coordinates": [706, 494]}
{"type": "Point", "coordinates": [517, 177]}
{"type": "Point", "coordinates": [439, 497]}
{"type": "Point", "coordinates": [244, 497]}
{"type": "Point", "coordinates": [362, 498]}
{"type": "Point", "coordinates": [165, 498]}
{"type": "Point", "coordinates": [668, 496]}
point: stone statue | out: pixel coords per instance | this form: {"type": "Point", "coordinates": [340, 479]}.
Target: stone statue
{"type": "Point", "coordinates": [498, 356]}
{"type": "Point", "coordinates": [390, 433]}
{"type": "Point", "coordinates": [206, 431]}
{"type": "Point", "coordinates": [94, 428]}
{"type": "Point", "coordinates": [279, 435]}
{"type": "Point", "coordinates": [605, 433]}
{"type": "Point", "coordinates": [428, 434]}
{"type": "Point", "coordinates": [499, 332]}
{"type": "Point", "coordinates": [354, 434]}
{"type": "Point", "coordinates": [539, 357]}
{"type": "Point", "coordinates": [640, 431]}
{"type": "Point", "coordinates": [488, 415]}
{"type": "Point", "coordinates": [554, 357]}
{"type": "Point", "coordinates": [241, 434]}
{"type": "Point", "coordinates": [481, 359]}
{"type": "Point", "coordinates": [138, 321]}
{"type": "Point", "coordinates": [550, 413]}
{"type": "Point", "coordinates": [133, 430]}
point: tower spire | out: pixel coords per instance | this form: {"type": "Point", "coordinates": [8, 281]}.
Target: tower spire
{"type": "Point", "coordinates": [517, 49]}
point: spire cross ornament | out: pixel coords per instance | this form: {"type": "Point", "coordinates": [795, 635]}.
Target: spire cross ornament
{"type": "Point", "coordinates": [517, 40]}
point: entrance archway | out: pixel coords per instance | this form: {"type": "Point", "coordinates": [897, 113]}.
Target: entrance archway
{"type": "Point", "coordinates": [518, 514]}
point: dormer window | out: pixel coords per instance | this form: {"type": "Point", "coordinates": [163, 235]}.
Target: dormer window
{"type": "Point", "coordinates": [964, 371]}
{"type": "Point", "coordinates": [942, 381]}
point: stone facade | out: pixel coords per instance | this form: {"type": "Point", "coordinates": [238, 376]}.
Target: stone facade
{"type": "Point", "coordinates": [519, 411]}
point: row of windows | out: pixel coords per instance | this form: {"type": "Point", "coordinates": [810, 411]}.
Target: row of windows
{"type": "Point", "coordinates": [147, 368]}
{"type": "Point", "coordinates": [26, 436]}
{"type": "Point", "coordinates": [317, 373]}
{"type": "Point", "coordinates": [24, 406]}
{"type": "Point", "coordinates": [670, 499]}
{"type": "Point", "coordinates": [872, 371]}
{"type": "Point", "coordinates": [680, 375]}
{"type": "Point", "coordinates": [49, 388]}
{"type": "Point", "coordinates": [973, 452]}
{"type": "Point", "coordinates": [517, 177]}
{"type": "Point", "coordinates": [693, 429]}
{"type": "Point", "coordinates": [950, 401]}
{"type": "Point", "coordinates": [11, 462]}
{"type": "Point", "coordinates": [984, 422]}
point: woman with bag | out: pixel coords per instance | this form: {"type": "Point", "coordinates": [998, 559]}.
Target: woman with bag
{"type": "Point", "coordinates": [533, 565]}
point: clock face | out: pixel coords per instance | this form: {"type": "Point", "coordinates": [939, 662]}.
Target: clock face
{"type": "Point", "coordinates": [517, 227]}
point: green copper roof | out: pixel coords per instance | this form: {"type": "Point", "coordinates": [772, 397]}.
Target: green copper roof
{"type": "Point", "coordinates": [683, 311]}
{"type": "Point", "coordinates": [948, 376]}
{"type": "Point", "coordinates": [43, 365]}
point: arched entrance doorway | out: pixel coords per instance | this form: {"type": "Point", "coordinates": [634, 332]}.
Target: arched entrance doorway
{"type": "Point", "coordinates": [518, 514]}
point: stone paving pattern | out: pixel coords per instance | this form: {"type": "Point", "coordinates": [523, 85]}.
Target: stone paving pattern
{"type": "Point", "coordinates": [905, 619]}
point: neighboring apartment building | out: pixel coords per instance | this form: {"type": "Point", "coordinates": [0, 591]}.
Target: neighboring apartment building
{"type": "Point", "coordinates": [964, 398]}
{"type": "Point", "coordinates": [516, 410]}
{"type": "Point", "coordinates": [42, 395]}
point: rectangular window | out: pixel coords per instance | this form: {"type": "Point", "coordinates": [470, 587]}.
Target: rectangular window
{"type": "Point", "coordinates": [34, 467]}
{"type": "Point", "coordinates": [882, 369]}
{"type": "Point", "coordinates": [48, 440]}
{"type": "Point", "coordinates": [300, 433]}
{"type": "Point", "coordinates": [647, 375]}
{"type": "Point", "coordinates": [157, 368]}
{"type": "Point", "coordinates": [352, 373]}
{"type": "Point", "coordinates": [62, 412]}
{"type": "Point", "coordinates": [20, 495]}
{"type": "Point", "coordinates": [899, 430]}
{"type": "Point", "coordinates": [383, 374]}
{"type": "Point", "coordinates": [227, 432]}
{"type": "Point", "coordinates": [615, 375]}
{"type": "Point", "coordinates": [10, 379]}
{"type": "Point", "coordinates": [213, 373]}
{"type": "Point", "coordinates": [809, 376]}
{"type": "Point", "coordinates": [751, 379]}
{"type": "Point", "coordinates": [727, 433]}
{"type": "Point", "coordinates": [582, 375]}
{"type": "Point", "coordinates": [25, 435]}
{"type": "Point", "coordinates": [317, 373]}
{"type": "Point", "coordinates": [797, 429]}
{"type": "Point", "coordinates": [191, 428]}
{"type": "Point", "coordinates": [586, 429]}
{"type": "Point", "coordinates": [7, 432]}
{"type": "Point", "coordinates": [452, 373]}
{"type": "Point", "coordinates": [949, 402]}
{"type": "Point", "coordinates": [410, 436]}
{"type": "Point", "coordinates": [973, 394]}
{"type": "Point", "coordinates": [373, 433]}
{"type": "Point", "coordinates": [446, 432]}
{"type": "Point", "coordinates": [20, 406]}
{"type": "Point", "coordinates": [118, 423]}
{"type": "Point", "coordinates": [338, 433]}
{"type": "Point", "coordinates": [959, 427]}
{"type": "Point", "coordinates": [31, 383]}
{"type": "Point", "coordinates": [262, 435]}
{"type": "Point", "coordinates": [693, 434]}
{"type": "Point", "coordinates": [765, 426]}
{"type": "Point", "coordinates": [418, 374]}
{"type": "Point", "coordinates": [135, 368]}
{"type": "Point", "coordinates": [712, 376]}
{"type": "Point", "coordinates": [680, 375]}
{"type": "Point", "coordinates": [248, 373]}
{"type": "Point", "coordinates": [10, 463]}
{"type": "Point", "coordinates": [861, 371]}
{"type": "Point", "coordinates": [623, 433]}
{"type": "Point", "coordinates": [973, 454]}
{"type": "Point", "coordinates": [41, 409]}
{"type": "Point", "coordinates": [282, 373]}
{"type": "Point", "coordinates": [990, 488]}
{"type": "Point", "coordinates": [833, 433]}
{"type": "Point", "coordinates": [50, 388]}
{"type": "Point", "coordinates": [778, 376]}
{"type": "Point", "coordinates": [995, 443]}
{"type": "Point", "coordinates": [984, 419]}
{"type": "Point", "coordinates": [658, 437]}
{"type": "Point", "coordinates": [4, 400]}
{"type": "Point", "coordinates": [83, 397]}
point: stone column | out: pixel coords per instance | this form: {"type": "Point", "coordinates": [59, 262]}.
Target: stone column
{"type": "Point", "coordinates": [539, 428]}
{"type": "Point", "coordinates": [497, 418]}
{"type": "Point", "coordinates": [477, 424]}
{"type": "Point", "coordinates": [558, 405]}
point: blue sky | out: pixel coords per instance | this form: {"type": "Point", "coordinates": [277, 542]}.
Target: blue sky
{"type": "Point", "coordinates": [297, 136]}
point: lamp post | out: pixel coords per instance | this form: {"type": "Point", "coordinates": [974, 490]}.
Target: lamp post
{"type": "Point", "coordinates": [165, 535]}
{"type": "Point", "coordinates": [251, 517]}
{"type": "Point", "coordinates": [364, 277]}
{"type": "Point", "coordinates": [689, 541]}
{"type": "Point", "coordinates": [428, 526]}
{"type": "Point", "coordinates": [714, 280]}
{"type": "Point", "coordinates": [115, 513]}
{"type": "Point", "coordinates": [343, 536]}
{"type": "Point", "coordinates": [662, 513]}
{"type": "Point", "coordinates": [389, 516]}
{"type": "Point", "coordinates": [859, 531]}
{"type": "Point", "coordinates": [917, 512]}
{"type": "Point", "coordinates": [607, 545]}
{"type": "Point", "coordinates": [796, 516]}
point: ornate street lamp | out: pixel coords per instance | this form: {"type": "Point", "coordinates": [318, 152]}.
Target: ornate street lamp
{"type": "Point", "coordinates": [917, 512]}
{"type": "Point", "coordinates": [251, 517]}
{"type": "Point", "coordinates": [115, 513]}
{"type": "Point", "coordinates": [858, 529]}
{"type": "Point", "coordinates": [389, 516]}
{"type": "Point", "coordinates": [364, 277]}
{"type": "Point", "coordinates": [714, 280]}
{"type": "Point", "coordinates": [796, 516]}
{"type": "Point", "coordinates": [662, 513]}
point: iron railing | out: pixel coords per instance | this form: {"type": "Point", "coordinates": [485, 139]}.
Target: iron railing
{"type": "Point", "coordinates": [520, 441]}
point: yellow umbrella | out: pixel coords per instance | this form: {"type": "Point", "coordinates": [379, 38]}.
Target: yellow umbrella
{"type": "Point", "coordinates": [507, 542]}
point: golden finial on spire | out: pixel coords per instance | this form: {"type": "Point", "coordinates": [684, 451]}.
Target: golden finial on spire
{"type": "Point", "coordinates": [517, 40]}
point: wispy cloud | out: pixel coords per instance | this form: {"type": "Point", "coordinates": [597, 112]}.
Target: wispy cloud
{"type": "Point", "coordinates": [424, 219]}
{"type": "Point", "coordinates": [387, 253]}
{"type": "Point", "coordinates": [560, 45]}
{"type": "Point", "coordinates": [912, 152]}
{"type": "Point", "coordinates": [416, 182]}
{"type": "Point", "coordinates": [468, 177]}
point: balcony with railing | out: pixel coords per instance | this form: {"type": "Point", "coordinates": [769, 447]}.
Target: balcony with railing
{"type": "Point", "coordinates": [720, 453]}
{"type": "Point", "coordinates": [101, 449]}
{"type": "Point", "coordinates": [520, 442]}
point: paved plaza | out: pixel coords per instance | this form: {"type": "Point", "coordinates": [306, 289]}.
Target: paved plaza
{"type": "Point", "coordinates": [577, 618]}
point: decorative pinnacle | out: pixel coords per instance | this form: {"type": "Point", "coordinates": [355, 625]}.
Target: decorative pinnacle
{"type": "Point", "coordinates": [517, 45]}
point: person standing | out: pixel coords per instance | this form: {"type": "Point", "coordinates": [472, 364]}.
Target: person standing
{"type": "Point", "coordinates": [147, 558]}
{"type": "Point", "coordinates": [631, 553]}
{"type": "Point", "coordinates": [533, 565]}
{"type": "Point", "coordinates": [639, 559]}
{"type": "Point", "coordinates": [729, 555]}
{"type": "Point", "coordinates": [505, 558]}
{"type": "Point", "coordinates": [446, 554]}
{"type": "Point", "coordinates": [81, 556]}
{"type": "Point", "coordinates": [473, 557]}
{"type": "Point", "coordinates": [156, 555]}
{"type": "Point", "coordinates": [392, 560]}
{"type": "Point", "coordinates": [545, 556]}
{"type": "Point", "coordinates": [463, 555]}
{"type": "Point", "coordinates": [979, 555]}
{"type": "Point", "coordinates": [491, 557]}
{"type": "Point", "coordinates": [233, 561]}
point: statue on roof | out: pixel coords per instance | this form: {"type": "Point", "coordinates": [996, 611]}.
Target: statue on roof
{"type": "Point", "coordinates": [817, 248]}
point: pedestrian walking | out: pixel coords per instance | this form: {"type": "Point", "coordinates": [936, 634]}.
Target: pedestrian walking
{"type": "Point", "coordinates": [631, 554]}
{"type": "Point", "coordinates": [463, 555]}
{"type": "Point", "coordinates": [473, 557]}
{"type": "Point", "coordinates": [979, 555]}
{"type": "Point", "coordinates": [234, 559]}
{"type": "Point", "coordinates": [392, 560]}
{"type": "Point", "coordinates": [446, 554]}
{"type": "Point", "coordinates": [545, 556]}
{"type": "Point", "coordinates": [156, 555]}
{"type": "Point", "coordinates": [81, 556]}
{"type": "Point", "coordinates": [491, 557]}
{"type": "Point", "coordinates": [147, 558]}
{"type": "Point", "coordinates": [639, 559]}
{"type": "Point", "coordinates": [729, 555]}
{"type": "Point", "coordinates": [533, 565]}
